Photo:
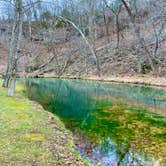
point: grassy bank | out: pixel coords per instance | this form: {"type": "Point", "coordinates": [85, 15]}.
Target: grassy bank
{"type": "Point", "coordinates": [31, 136]}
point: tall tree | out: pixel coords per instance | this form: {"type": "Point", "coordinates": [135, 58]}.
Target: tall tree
{"type": "Point", "coordinates": [115, 7]}
{"type": "Point", "coordinates": [14, 48]}
{"type": "Point", "coordinates": [92, 31]}
{"type": "Point", "coordinates": [136, 27]}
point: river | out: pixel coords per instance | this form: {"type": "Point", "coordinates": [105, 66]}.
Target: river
{"type": "Point", "coordinates": [113, 124]}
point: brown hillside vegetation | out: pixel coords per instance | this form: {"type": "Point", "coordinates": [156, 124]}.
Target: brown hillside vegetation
{"type": "Point", "coordinates": [121, 39]}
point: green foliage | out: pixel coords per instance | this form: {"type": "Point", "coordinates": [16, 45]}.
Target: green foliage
{"type": "Point", "coordinates": [46, 15]}
{"type": "Point", "coordinates": [59, 24]}
{"type": "Point", "coordinates": [161, 136]}
{"type": "Point", "coordinates": [98, 16]}
{"type": "Point", "coordinates": [45, 24]}
{"type": "Point", "coordinates": [145, 68]}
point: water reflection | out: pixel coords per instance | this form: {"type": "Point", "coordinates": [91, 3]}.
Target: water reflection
{"type": "Point", "coordinates": [109, 132]}
{"type": "Point", "coordinates": [142, 94]}
{"type": "Point", "coordinates": [107, 153]}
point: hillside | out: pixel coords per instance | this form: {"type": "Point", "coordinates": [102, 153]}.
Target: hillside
{"type": "Point", "coordinates": [70, 59]}
{"type": "Point", "coordinates": [128, 43]}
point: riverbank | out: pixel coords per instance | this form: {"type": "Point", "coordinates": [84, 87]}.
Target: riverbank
{"type": "Point", "coordinates": [137, 79]}
{"type": "Point", "coordinates": [32, 136]}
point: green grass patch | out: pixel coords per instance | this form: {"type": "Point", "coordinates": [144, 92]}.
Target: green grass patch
{"type": "Point", "coordinates": [28, 136]}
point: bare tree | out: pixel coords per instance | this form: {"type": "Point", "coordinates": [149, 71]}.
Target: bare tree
{"type": "Point", "coordinates": [106, 22]}
{"type": "Point", "coordinates": [137, 32]}
{"type": "Point", "coordinates": [92, 33]}
{"type": "Point", "coordinates": [115, 7]}
{"type": "Point", "coordinates": [14, 48]}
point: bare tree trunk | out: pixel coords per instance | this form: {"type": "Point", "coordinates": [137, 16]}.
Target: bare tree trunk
{"type": "Point", "coordinates": [29, 26]}
{"type": "Point", "coordinates": [116, 8]}
{"type": "Point", "coordinates": [11, 89]}
{"type": "Point", "coordinates": [91, 21]}
{"type": "Point", "coordinates": [10, 57]}
{"type": "Point", "coordinates": [106, 27]}
{"type": "Point", "coordinates": [117, 30]}
{"type": "Point", "coordinates": [13, 52]}
{"type": "Point", "coordinates": [92, 33]}
{"type": "Point", "coordinates": [157, 35]}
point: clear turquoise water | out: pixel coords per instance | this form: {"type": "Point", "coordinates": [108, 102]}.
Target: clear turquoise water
{"type": "Point", "coordinates": [109, 121]}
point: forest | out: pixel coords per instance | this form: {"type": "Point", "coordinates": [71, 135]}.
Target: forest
{"type": "Point", "coordinates": [86, 74]}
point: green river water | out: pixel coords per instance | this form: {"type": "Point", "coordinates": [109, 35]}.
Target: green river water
{"type": "Point", "coordinates": [112, 124]}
